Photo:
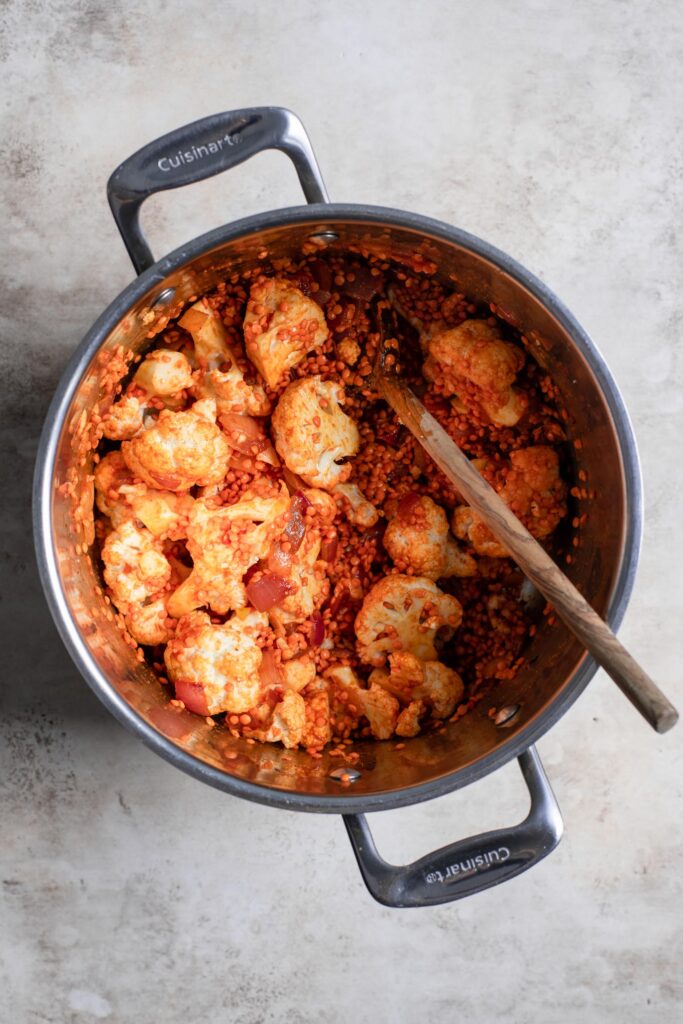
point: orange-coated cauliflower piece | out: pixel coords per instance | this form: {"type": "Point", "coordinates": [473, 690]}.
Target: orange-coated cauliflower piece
{"type": "Point", "coordinates": [181, 450]}
{"type": "Point", "coordinates": [287, 723]}
{"type": "Point", "coordinates": [135, 567]}
{"type": "Point", "coordinates": [281, 326]}
{"type": "Point", "coordinates": [224, 543]}
{"type": "Point", "coordinates": [318, 726]}
{"type": "Point", "coordinates": [125, 419]}
{"type": "Point", "coordinates": [148, 623]}
{"type": "Point", "coordinates": [220, 376]}
{"type": "Point", "coordinates": [298, 673]}
{"type": "Point", "coordinates": [418, 537]}
{"type": "Point", "coordinates": [534, 491]}
{"type": "Point", "coordinates": [312, 434]}
{"type": "Point", "coordinates": [164, 372]}
{"type": "Point", "coordinates": [137, 573]}
{"type": "Point", "coordinates": [474, 352]}
{"type": "Point", "coordinates": [216, 667]}
{"type": "Point", "coordinates": [120, 496]}
{"type": "Point", "coordinates": [308, 584]}
{"type": "Point", "coordinates": [408, 723]}
{"type": "Point", "coordinates": [359, 510]}
{"type": "Point", "coordinates": [161, 375]}
{"type": "Point", "coordinates": [403, 613]}
{"type": "Point", "coordinates": [432, 682]}
{"type": "Point", "coordinates": [379, 707]}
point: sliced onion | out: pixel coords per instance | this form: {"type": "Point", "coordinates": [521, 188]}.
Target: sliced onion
{"type": "Point", "coordinates": [322, 274]}
{"type": "Point", "coordinates": [391, 437]}
{"type": "Point", "coordinates": [192, 695]}
{"type": "Point", "coordinates": [408, 504]}
{"type": "Point", "coordinates": [250, 572]}
{"type": "Point", "coordinates": [302, 501]}
{"type": "Point", "coordinates": [340, 600]}
{"type": "Point", "coordinates": [294, 482]}
{"type": "Point", "coordinates": [244, 433]}
{"type": "Point", "coordinates": [173, 722]}
{"type": "Point", "coordinates": [268, 590]}
{"type": "Point", "coordinates": [419, 457]}
{"type": "Point", "coordinates": [328, 548]}
{"type": "Point", "coordinates": [317, 629]}
{"type": "Point", "coordinates": [194, 320]}
{"type": "Point", "coordinates": [269, 669]}
{"type": "Point", "coordinates": [364, 285]}
{"type": "Point", "coordinates": [241, 463]}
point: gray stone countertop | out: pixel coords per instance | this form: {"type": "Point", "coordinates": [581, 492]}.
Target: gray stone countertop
{"type": "Point", "coordinates": [130, 892]}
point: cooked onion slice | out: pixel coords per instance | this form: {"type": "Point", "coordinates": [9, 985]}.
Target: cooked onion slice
{"type": "Point", "coordinates": [268, 590]}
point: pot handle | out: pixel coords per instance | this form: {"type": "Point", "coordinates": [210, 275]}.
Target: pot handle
{"type": "Point", "coordinates": [200, 150]}
{"type": "Point", "coordinates": [470, 865]}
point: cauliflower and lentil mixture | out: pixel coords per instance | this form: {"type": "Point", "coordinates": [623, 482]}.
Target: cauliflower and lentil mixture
{"type": "Point", "coordinates": [280, 547]}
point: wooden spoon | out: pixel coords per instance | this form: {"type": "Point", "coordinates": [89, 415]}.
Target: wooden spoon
{"type": "Point", "coordinates": [533, 560]}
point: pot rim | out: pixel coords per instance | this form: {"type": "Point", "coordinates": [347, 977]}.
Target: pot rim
{"type": "Point", "coordinates": [322, 216]}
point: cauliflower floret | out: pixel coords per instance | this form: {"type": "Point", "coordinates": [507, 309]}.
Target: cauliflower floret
{"type": "Point", "coordinates": [318, 727]}
{"type": "Point", "coordinates": [379, 707]}
{"type": "Point", "coordinates": [181, 450]}
{"type": "Point", "coordinates": [220, 376]}
{"type": "Point", "coordinates": [475, 352]}
{"type": "Point", "coordinates": [111, 474]}
{"type": "Point", "coordinates": [311, 432]}
{"type": "Point", "coordinates": [137, 572]}
{"type": "Point", "coordinates": [323, 503]}
{"type": "Point", "coordinates": [298, 673]}
{"type": "Point", "coordinates": [224, 543]}
{"type": "Point", "coordinates": [135, 567]}
{"type": "Point", "coordinates": [418, 537]}
{"type": "Point", "coordinates": [281, 326]}
{"type": "Point", "coordinates": [120, 496]}
{"type": "Point", "coordinates": [162, 374]}
{"type": "Point", "coordinates": [410, 680]}
{"type": "Point", "coordinates": [147, 623]}
{"type": "Point", "coordinates": [216, 668]}
{"type": "Point", "coordinates": [300, 604]}
{"type": "Point", "coordinates": [408, 723]}
{"type": "Point", "coordinates": [359, 510]}
{"type": "Point", "coordinates": [287, 723]}
{"type": "Point", "coordinates": [125, 419]}
{"type": "Point", "coordinates": [403, 613]}
{"type": "Point", "coordinates": [534, 491]}
{"type": "Point", "coordinates": [348, 351]}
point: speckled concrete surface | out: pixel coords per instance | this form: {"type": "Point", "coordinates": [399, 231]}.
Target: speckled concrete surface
{"type": "Point", "coordinates": [131, 893]}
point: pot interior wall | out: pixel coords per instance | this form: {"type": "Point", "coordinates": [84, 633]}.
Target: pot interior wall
{"type": "Point", "coordinates": [553, 659]}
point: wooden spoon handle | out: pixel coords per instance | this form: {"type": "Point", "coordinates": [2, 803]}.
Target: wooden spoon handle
{"type": "Point", "coordinates": [538, 566]}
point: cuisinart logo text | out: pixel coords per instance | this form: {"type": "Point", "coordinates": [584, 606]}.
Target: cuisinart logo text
{"type": "Point", "coordinates": [188, 156]}
{"type": "Point", "coordinates": [470, 866]}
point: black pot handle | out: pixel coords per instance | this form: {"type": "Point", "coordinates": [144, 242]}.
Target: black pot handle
{"type": "Point", "coordinates": [200, 150]}
{"type": "Point", "coordinates": [469, 865]}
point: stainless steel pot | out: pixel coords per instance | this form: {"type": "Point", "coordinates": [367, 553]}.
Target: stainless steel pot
{"type": "Point", "coordinates": [556, 670]}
